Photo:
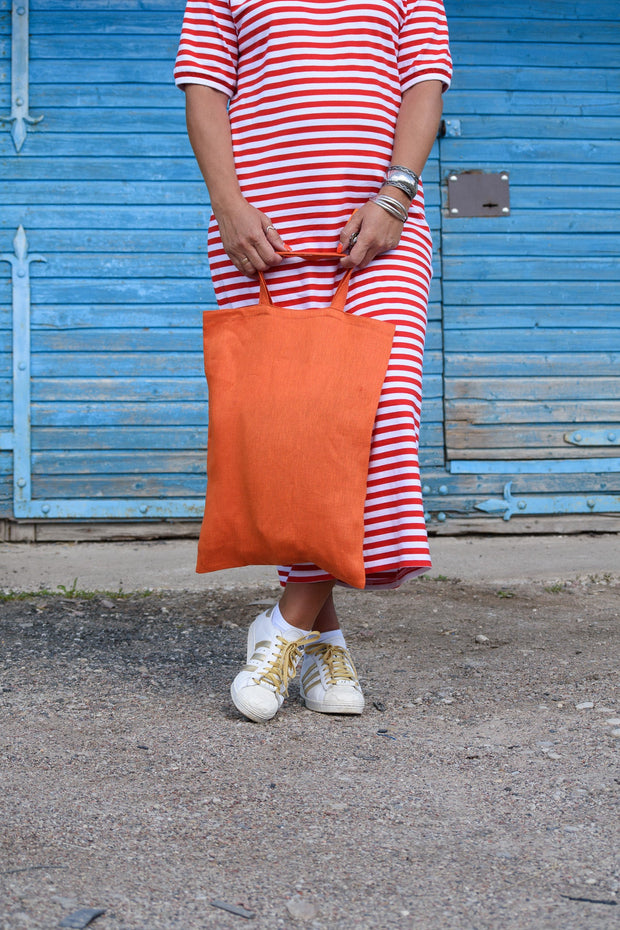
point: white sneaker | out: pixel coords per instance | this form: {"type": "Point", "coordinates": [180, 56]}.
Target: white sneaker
{"type": "Point", "coordinates": [259, 689]}
{"type": "Point", "coordinates": [329, 682]}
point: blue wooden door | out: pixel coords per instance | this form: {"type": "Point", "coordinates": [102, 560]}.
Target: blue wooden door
{"type": "Point", "coordinates": [103, 400]}
{"type": "Point", "coordinates": [531, 328]}
{"type": "Point", "coordinates": [103, 408]}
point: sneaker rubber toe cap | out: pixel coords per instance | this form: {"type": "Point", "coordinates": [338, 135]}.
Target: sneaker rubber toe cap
{"type": "Point", "coordinates": [255, 701]}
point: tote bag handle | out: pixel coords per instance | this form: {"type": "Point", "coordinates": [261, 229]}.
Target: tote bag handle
{"type": "Point", "coordinates": [316, 255]}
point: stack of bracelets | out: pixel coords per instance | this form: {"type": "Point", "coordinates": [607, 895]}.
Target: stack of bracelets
{"type": "Point", "coordinates": [404, 180]}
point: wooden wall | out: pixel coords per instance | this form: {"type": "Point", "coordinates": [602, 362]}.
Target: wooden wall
{"type": "Point", "coordinates": [523, 345]}
{"type": "Point", "coordinates": [107, 189]}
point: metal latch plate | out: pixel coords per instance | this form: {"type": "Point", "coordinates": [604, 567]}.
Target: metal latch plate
{"type": "Point", "coordinates": [478, 193]}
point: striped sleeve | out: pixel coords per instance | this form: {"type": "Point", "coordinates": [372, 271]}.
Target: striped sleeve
{"type": "Point", "coordinates": [208, 49]}
{"type": "Point", "coordinates": [424, 52]}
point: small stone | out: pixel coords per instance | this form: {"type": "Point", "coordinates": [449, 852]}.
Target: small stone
{"type": "Point", "coordinates": [480, 638]}
{"type": "Point", "coordinates": [613, 721]}
{"type": "Point", "coordinates": [585, 705]}
{"type": "Point", "coordinates": [301, 909]}
{"type": "Point", "coordinates": [81, 918]}
{"type": "Point", "coordinates": [615, 732]}
{"type": "Point", "coordinates": [553, 755]}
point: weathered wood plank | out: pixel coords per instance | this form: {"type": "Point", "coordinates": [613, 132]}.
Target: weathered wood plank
{"type": "Point", "coordinates": [134, 290]}
{"type": "Point", "coordinates": [91, 217]}
{"type": "Point", "coordinates": [463, 103]}
{"type": "Point", "coordinates": [537, 175]}
{"type": "Point", "coordinates": [71, 487]}
{"type": "Point", "coordinates": [100, 95]}
{"type": "Point", "coordinates": [103, 266]}
{"type": "Point", "coordinates": [531, 268]}
{"type": "Point", "coordinates": [531, 341]}
{"type": "Point", "coordinates": [41, 143]}
{"type": "Point", "coordinates": [151, 69]}
{"type": "Point", "coordinates": [143, 22]}
{"type": "Point", "coordinates": [459, 364]}
{"type": "Point", "coordinates": [89, 438]}
{"type": "Point", "coordinates": [113, 49]}
{"type": "Point", "coordinates": [544, 441]}
{"type": "Point", "coordinates": [526, 54]}
{"type": "Point", "coordinates": [532, 389]}
{"type": "Point", "coordinates": [164, 193]}
{"type": "Point", "coordinates": [508, 151]}
{"type": "Point", "coordinates": [549, 126]}
{"type": "Point", "coordinates": [480, 77]}
{"type": "Point", "coordinates": [535, 317]}
{"type": "Point", "coordinates": [127, 241]}
{"type": "Point", "coordinates": [529, 10]}
{"type": "Point", "coordinates": [146, 7]}
{"type": "Point", "coordinates": [493, 485]}
{"type": "Point", "coordinates": [498, 29]}
{"type": "Point", "coordinates": [540, 244]}
{"type": "Point", "coordinates": [496, 293]}
{"type": "Point", "coordinates": [62, 390]}
{"type": "Point", "coordinates": [536, 221]}
{"type": "Point", "coordinates": [166, 363]}
{"type": "Point", "coordinates": [550, 410]}
{"type": "Point", "coordinates": [120, 462]}
{"type": "Point", "coordinates": [108, 414]}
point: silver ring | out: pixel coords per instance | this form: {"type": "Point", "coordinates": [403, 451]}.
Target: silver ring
{"type": "Point", "coordinates": [245, 260]}
{"type": "Point", "coordinates": [353, 239]}
{"type": "Point", "coordinates": [270, 227]}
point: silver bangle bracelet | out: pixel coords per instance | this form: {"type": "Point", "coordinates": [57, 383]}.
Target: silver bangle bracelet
{"type": "Point", "coordinates": [403, 186]}
{"type": "Point", "coordinates": [391, 205]}
{"type": "Point", "coordinates": [404, 179]}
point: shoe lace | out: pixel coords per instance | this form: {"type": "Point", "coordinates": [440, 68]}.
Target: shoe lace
{"type": "Point", "coordinates": [338, 661]}
{"type": "Point", "coordinates": [282, 667]}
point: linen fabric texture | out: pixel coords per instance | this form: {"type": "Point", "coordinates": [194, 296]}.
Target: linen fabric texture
{"type": "Point", "coordinates": [315, 87]}
{"type": "Point", "coordinates": [293, 396]}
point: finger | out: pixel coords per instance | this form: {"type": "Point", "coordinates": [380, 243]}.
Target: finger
{"type": "Point", "coordinates": [262, 253]}
{"type": "Point", "coordinates": [367, 257]}
{"type": "Point", "coordinates": [359, 256]}
{"type": "Point", "coordinates": [353, 259]}
{"type": "Point", "coordinates": [245, 266]}
{"type": "Point", "coordinates": [275, 239]}
{"type": "Point", "coordinates": [351, 228]}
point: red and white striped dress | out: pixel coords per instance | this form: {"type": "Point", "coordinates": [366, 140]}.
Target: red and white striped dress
{"type": "Point", "coordinates": [315, 87]}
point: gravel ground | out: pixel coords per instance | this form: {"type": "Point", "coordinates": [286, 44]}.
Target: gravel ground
{"type": "Point", "coordinates": [478, 790]}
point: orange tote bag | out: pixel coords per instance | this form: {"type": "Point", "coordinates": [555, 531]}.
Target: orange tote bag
{"type": "Point", "coordinates": [293, 396]}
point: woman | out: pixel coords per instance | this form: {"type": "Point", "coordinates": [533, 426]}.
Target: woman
{"type": "Point", "coordinates": [300, 112]}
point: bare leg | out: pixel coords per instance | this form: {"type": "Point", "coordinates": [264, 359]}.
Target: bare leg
{"type": "Point", "coordinates": [301, 604]}
{"type": "Point", "coordinates": [327, 619]}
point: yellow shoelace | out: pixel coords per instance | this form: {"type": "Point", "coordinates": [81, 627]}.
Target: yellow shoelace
{"type": "Point", "coordinates": [283, 666]}
{"type": "Point", "coordinates": [338, 661]}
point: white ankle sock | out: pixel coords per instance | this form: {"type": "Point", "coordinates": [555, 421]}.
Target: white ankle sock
{"type": "Point", "coordinates": [281, 624]}
{"type": "Point", "coordinates": [334, 638]}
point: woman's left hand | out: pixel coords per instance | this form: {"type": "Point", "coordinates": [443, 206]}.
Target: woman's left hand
{"type": "Point", "coordinates": [377, 232]}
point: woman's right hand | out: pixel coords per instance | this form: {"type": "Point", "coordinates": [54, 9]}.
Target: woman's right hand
{"type": "Point", "coordinates": [249, 237]}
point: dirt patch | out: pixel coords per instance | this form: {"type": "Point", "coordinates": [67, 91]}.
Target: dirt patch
{"type": "Point", "coordinates": [478, 790]}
